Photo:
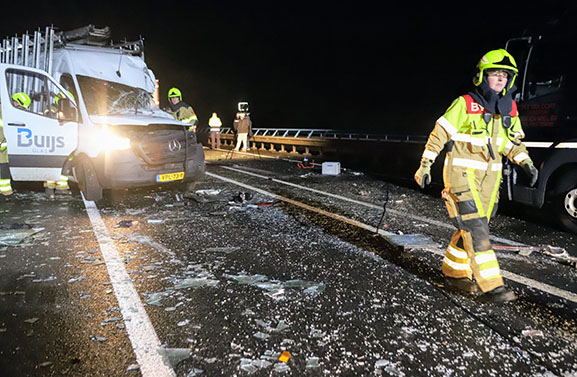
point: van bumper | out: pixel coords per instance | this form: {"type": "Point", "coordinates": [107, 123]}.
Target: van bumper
{"type": "Point", "coordinates": [124, 169]}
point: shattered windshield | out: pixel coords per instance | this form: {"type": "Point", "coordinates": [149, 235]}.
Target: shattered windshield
{"type": "Point", "coordinates": [107, 98]}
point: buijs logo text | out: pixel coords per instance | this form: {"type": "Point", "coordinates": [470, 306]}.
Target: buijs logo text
{"type": "Point", "coordinates": [40, 143]}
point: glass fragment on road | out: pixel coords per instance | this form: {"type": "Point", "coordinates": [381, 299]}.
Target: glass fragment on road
{"type": "Point", "coordinates": [11, 237]}
{"type": "Point", "coordinates": [172, 356]}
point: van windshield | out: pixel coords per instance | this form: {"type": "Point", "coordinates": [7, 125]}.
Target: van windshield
{"type": "Point", "coordinates": [107, 98]}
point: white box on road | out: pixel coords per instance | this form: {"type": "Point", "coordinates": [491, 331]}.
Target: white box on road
{"type": "Point", "coordinates": [331, 168]}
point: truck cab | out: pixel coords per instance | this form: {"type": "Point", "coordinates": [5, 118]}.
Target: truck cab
{"type": "Point", "coordinates": [547, 90]}
{"type": "Point", "coordinates": [92, 116]}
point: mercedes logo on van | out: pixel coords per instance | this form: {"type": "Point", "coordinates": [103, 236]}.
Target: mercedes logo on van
{"type": "Point", "coordinates": [174, 145]}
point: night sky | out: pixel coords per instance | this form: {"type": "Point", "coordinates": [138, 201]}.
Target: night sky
{"type": "Point", "coordinates": [390, 68]}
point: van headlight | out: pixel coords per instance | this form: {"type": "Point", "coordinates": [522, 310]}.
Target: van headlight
{"type": "Point", "coordinates": [109, 141]}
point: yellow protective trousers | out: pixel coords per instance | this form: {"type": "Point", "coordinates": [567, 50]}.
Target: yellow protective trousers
{"type": "Point", "coordinates": [471, 201]}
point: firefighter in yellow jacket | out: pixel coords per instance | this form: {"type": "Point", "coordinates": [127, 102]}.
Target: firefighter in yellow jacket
{"type": "Point", "coordinates": [180, 110]}
{"type": "Point", "coordinates": [476, 131]}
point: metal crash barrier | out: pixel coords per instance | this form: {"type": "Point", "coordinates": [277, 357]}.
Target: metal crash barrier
{"type": "Point", "coordinates": [315, 142]}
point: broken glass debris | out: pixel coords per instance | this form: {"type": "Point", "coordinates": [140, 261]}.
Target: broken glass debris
{"type": "Point", "coordinates": [281, 367]}
{"type": "Point", "coordinates": [532, 333]}
{"type": "Point", "coordinates": [261, 335]}
{"type": "Point", "coordinates": [195, 283]}
{"type": "Point", "coordinates": [172, 356]}
{"type": "Point", "coordinates": [226, 250]}
{"type": "Point", "coordinates": [13, 236]}
{"type": "Point", "coordinates": [124, 224]}
{"type": "Point", "coordinates": [312, 362]}
{"type": "Point", "coordinates": [194, 372]}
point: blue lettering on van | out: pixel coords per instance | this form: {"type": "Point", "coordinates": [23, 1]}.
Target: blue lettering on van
{"type": "Point", "coordinates": [48, 143]}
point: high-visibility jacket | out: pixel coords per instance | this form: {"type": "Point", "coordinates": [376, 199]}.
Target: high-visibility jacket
{"type": "Point", "coordinates": [5, 185]}
{"type": "Point", "coordinates": [184, 112]}
{"type": "Point", "coordinates": [476, 141]}
{"type": "Point", "coordinates": [3, 144]}
{"type": "Point", "coordinates": [214, 123]}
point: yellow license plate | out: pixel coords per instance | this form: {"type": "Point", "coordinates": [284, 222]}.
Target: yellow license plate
{"type": "Point", "coordinates": [170, 177]}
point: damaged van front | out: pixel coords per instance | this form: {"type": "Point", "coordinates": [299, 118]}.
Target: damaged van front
{"type": "Point", "coordinates": [92, 115]}
{"type": "Point", "coordinates": [126, 141]}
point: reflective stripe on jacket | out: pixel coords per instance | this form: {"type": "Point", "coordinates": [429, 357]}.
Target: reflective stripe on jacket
{"type": "Point", "coordinates": [463, 123]}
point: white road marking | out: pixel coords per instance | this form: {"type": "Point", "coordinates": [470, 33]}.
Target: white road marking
{"type": "Point", "coordinates": [371, 205]}
{"type": "Point", "coordinates": [569, 296]}
{"type": "Point", "coordinates": [141, 333]}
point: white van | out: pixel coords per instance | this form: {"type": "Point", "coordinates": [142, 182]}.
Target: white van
{"type": "Point", "coordinates": [92, 115]}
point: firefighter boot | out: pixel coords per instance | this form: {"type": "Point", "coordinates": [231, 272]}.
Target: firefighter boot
{"type": "Point", "coordinates": [49, 192]}
{"type": "Point", "coordinates": [465, 285]}
{"type": "Point", "coordinates": [498, 295]}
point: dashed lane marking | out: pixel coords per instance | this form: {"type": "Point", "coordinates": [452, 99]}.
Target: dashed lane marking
{"type": "Point", "coordinates": [569, 296]}
{"type": "Point", "coordinates": [141, 333]}
{"type": "Point", "coordinates": [370, 205]}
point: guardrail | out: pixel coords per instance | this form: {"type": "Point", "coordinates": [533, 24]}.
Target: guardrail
{"type": "Point", "coordinates": [314, 141]}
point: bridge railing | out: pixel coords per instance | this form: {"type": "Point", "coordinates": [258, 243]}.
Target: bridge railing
{"type": "Point", "coordinates": [309, 141]}
{"type": "Point", "coordinates": [315, 133]}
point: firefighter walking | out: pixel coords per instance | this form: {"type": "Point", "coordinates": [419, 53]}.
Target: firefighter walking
{"type": "Point", "coordinates": [477, 130]}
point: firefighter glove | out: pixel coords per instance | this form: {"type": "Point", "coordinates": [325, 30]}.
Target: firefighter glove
{"type": "Point", "coordinates": [423, 175]}
{"type": "Point", "coordinates": [531, 171]}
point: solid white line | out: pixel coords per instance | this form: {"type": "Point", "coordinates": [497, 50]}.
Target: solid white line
{"type": "Point", "coordinates": [370, 205]}
{"type": "Point", "coordinates": [141, 333]}
{"type": "Point", "coordinates": [570, 296]}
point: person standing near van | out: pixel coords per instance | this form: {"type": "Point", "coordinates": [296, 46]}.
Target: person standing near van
{"type": "Point", "coordinates": [22, 101]}
{"type": "Point", "coordinates": [244, 131]}
{"type": "Point", "coordinates": [180, 110]}
{"type": "Point", "coordinates": [5, 185]}
{"type": "Point", "coordinates": [476, 131]}
{"type": "Point", "coordinates": [214, 123]}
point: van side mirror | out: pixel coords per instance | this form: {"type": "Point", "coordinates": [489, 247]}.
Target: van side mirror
{"type": "Point", "coordinates": [66, 111]}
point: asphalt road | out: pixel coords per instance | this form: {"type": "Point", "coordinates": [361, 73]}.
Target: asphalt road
{"type": "Point", "coordinates": [234, 276]}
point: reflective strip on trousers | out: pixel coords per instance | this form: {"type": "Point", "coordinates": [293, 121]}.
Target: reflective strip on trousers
{"type": "Point", "coordinates": [488, 265]}
{"type": "Point", "coordinates": [5, 185]}
{"type": "Point", "coordinates": [62, 184]}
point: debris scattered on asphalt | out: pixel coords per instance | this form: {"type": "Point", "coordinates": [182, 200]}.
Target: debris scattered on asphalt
{"type": "Point", "coordinates": [242, 197]}
{"type": "Point", "coordinates": [13, 234]}
{"type": "Point", "coordinates": [195, 372]}
{"type": "Point", "coordinates": [77, 279]}
{"type": "Point", "coordinates": [312, 362]}
{"type": "Point", "coordinates": [226, 250]}
{"type": "Point", "coordinates": [124, 224]}
{"type": "Point", "coordinates": [284, 356]}
{"type": "Point", "coordinates": [195, 283]}
{"type": "Point", "coordinates": [532, 333]}
{"type": "Point", "coordinates": [100, 339]}
{"type": "Point", "coordinates": [172, 356]}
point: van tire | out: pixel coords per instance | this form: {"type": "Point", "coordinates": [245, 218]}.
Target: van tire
{"type": "Point", "coordinates": [88, 180]}
{"type": "Point", "coordinates": [564, 203]}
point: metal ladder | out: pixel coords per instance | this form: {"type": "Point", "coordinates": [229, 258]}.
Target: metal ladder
{"type": "Point", "coordinates": [29, 50]}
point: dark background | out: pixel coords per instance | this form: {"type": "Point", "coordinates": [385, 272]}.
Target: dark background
{"type": "Point", "coordinates": [389, 68]}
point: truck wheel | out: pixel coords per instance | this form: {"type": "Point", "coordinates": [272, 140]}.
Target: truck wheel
{"type": "Point", "coordinates": [88, 180]}
{"type": "Point", "coordinates": [565, 203]}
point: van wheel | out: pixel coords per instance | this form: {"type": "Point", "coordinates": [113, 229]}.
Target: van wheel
{"type": "Point", "coordinates": [565, 202]}
{"type": "Point", "coordinates": [88, 180]}
{"type": "Point", "coordinates": [188, 186]}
